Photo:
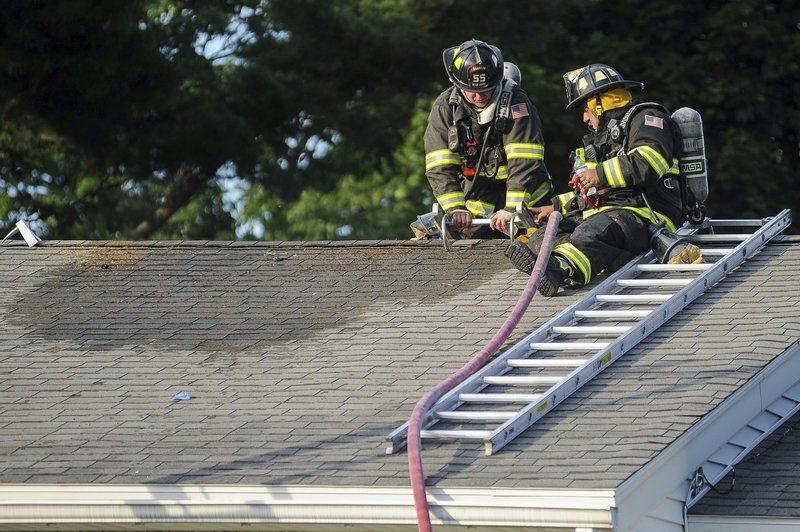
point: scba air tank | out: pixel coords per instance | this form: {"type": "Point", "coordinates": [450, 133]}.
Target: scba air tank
{"type": "Point", "coordinates": [692, 160]}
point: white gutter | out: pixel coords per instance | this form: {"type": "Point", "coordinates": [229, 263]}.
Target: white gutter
{"type": "Point", "coordinates": [228, 506]}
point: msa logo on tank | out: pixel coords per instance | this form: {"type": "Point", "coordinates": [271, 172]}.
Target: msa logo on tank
{"type": "Point", "coordinates": [478, 75]}
{"type": "Point", "coordinates": [692, 167]}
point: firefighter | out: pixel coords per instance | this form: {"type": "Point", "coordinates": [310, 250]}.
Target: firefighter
{"type": "Point", "coordinates": [625, 178]}
{"type": "Point", "coordinates": [484, 150]}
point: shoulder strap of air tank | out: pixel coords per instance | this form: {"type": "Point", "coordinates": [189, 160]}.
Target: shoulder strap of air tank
{"type": "Point", "coordinates": [453, 102]}
{"type": "Point", "coordinates": [624, 122]}
{"type": "Point", "coordinates": [503, 111]}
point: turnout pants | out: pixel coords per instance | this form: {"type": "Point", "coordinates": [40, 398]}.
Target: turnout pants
{"type": "Point", "coordinates": [604, 241]}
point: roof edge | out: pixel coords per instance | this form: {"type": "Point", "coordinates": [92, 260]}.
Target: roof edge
{"type": "Point", "coordinates": [666, 476]}
{"type": "Point", "coordinates": [229, 506]}
{"type": "Point", "coordinates": [782, 239]}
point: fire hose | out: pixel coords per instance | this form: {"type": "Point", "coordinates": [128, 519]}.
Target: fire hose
{"type": "Point", "coordinates": [415, 423]}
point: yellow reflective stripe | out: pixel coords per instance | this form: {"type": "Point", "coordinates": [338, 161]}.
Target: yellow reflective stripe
{"type": "Point", "coordinates": [645, 213]}
{"type": "Point", "coordinates": [524, 145]}
{"type": "Point", "coordinates": [540, 193]}
{"type": "Point", "coordinates": [515, 197]}
{"type": "Point", "coordinates": [674, 169]}
{"type": "Point", "coordinates": [451, 200]}
{"type": "Point", "coordinates": [653, 158]}
{"type": "Point", "coordinates": [565, 199]}
{"type": "Point", "coordinates": [524, 150]}
{"type": "Point", "coordinates": [613, 172]}
{"type": "Point", "coordinates": [502, 173]}
{"type": "Point", "coordinates": [457, 62]}
{"type": "Point", "coordinates": [480, 208]}
{"type": "Point", "coordinates": [641, 211]}
{"type": "Point", "coordinates": [618, 168]}
{"type": "Point", "coordinates": [441, 158]}
{"type": "Point", "coordinates": [577, 258]}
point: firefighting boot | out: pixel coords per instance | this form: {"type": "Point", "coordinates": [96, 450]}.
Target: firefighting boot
{"type": "Point", "coordinates": [553, 277]}
{"type": "Point", "coordinates": [523, 258]}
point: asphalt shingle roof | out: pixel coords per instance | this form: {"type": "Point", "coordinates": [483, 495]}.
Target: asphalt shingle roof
{"type": "Point", "coordinates": [302, 357]}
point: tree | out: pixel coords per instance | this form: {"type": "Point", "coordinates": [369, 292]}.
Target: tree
{"type": "Point", "coordinates": [303, 119]}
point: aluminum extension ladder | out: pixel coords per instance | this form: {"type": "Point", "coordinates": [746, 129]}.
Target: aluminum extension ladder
{"type": "Point", "coordinates": [565, 353]}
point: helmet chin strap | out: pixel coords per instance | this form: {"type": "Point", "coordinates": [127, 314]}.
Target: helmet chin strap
{"type": "Point", "coordinates": [598, 106]}
{"type": "Point", "coordinates": [488, 107]}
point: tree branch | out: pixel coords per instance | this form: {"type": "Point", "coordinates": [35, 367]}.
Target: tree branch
{"type": "Point", "coordinates": [180, 195]}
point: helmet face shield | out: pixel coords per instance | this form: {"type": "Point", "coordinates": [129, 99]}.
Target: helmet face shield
{"type": "Point", "coordinates": [474, 66]}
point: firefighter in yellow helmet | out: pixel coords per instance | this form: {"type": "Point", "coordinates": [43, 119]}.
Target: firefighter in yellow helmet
{"type": "Point", "coordinates": [484, 150]}
{"type": "Point", "coordinates": [625, 178]}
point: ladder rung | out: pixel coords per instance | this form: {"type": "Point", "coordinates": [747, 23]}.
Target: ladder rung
{"type": "Point", "coordinates": [634, 298]}
{"type": "Point", "coordinates": [546, 362]}
{"type": "Point", "coordinates": [513, 380]}
{"type": "Point", "coordinates": [465, 415]}
{"type": "Point", "coordinates": [591, 329]}
{"type": "Point", "coordinates": [612, 313]}
{"type": "Point", "coordinates": [499, 397]}
{"type": "Point", "coordinates": [654, 282]}
{"type": "Point", "coordinates": [455, 434]}
{"type": "Point", "coordinates": [673, 267]}
{"type": "Point", "coordinates": [732, 237]}
{"type": "Point", "coordinates": [723, 222]}
{"type": "Point", "coordinates": [708, 252]}
{"type": "Point", "coordinates": [568, 346]}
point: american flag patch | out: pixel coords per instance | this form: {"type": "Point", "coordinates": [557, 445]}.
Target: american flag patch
{"type": "Point", "coordinates": [654, 121]}
{"type": "Point", "coordinates": [519, 110]}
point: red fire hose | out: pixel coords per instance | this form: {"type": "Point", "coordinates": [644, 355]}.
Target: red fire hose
{"type": "Point", "coordinates": [415, 423]}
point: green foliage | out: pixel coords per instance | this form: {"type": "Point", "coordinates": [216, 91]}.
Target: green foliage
{"type": "Point", "coordinates": [142, 119]}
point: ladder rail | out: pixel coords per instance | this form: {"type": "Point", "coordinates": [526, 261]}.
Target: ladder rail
{"type": "Point", "coordinates": [498, 366]}
{"type": "Point", "coordinates": [605, 357]}
{"type": "Point", "coordinates": [728, 222]}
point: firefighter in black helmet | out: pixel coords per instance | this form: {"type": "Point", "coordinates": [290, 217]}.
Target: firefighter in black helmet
{"type": "Point", "coordinates": [484, 150]}
{"type": "Point", "coordinates": [625, 178]}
